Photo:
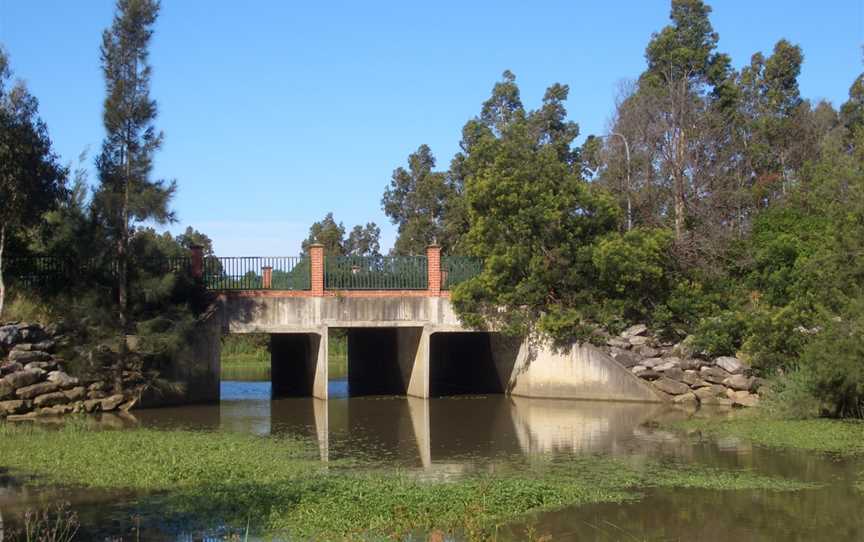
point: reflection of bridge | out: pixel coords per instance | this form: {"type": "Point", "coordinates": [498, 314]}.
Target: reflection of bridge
{"type": "Point", "coordinates": [403, 335]}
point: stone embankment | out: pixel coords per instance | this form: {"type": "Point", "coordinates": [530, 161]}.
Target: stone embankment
{"type": "Point", "coordinates": [33, 382]}
{"type": "Point", "coordinates": [682, 378]}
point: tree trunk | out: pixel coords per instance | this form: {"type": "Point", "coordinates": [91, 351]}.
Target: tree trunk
{"type": "Point", "coordinates": [2, 284]}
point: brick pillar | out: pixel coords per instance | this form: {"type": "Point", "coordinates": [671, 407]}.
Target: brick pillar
{"type": "Point", "coordinates": [197, 261]}
{"type": "Point", "coordinates": [267, 277]}
{"type": "Point", "coordinates": [433, 270]}
{"type": "Point", "coordinates": [316, 259]}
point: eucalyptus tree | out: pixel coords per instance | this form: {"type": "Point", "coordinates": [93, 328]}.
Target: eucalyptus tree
{"type": "Point", "coordinates": [126, 194]}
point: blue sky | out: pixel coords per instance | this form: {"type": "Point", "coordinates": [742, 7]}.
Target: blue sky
{"type": "Point", "coordinates": [277, 112]}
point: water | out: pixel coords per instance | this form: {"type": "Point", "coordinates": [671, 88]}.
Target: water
{"type": "Point", "coordinates": [449, 437]}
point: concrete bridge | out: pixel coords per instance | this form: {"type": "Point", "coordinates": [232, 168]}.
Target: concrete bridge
{"type": "Point", "coordinates": [403, 341]}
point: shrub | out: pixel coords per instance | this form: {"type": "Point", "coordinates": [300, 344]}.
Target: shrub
{"type": "Point", "coordinates": [791, 396]}
{"type": "Point", "coordinates": [720, 335]}
{"type": "Point", "coordinates": [776, 337]}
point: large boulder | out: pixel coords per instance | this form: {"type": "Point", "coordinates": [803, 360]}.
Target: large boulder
{"type": "Point", "coordinates": [730, 364]}
{"type": "Point", "coordinates": [650, 374]}
{"type": "Point", "coordinates": [667, 385]}
{"type": "Point", "coordinates": [9, 367]}
{"type": "Point", "coordinates": [31, 333]}
{"type": "Point", "coordinates": [627, 359]}
{"type": "Point", "coordinates": [692, 379]}
{"type": "Point", "coordinates": [717, 401]}
{"type": "Point", "coordinates": [652, 362]}
{"type": "Point", "coordinates": [6, 389]}
{"type": "Point", "coordinates": [28, 356]}
{"type": "Point", "coordinates": [686, 399]}
{"type": "Point", "coordinates": [674, 373]}
{"type": "Point", "coordinates": [715, 375]}
{"type": "Point", "coordinates": [618, 343]}
{"type": "Point", "coordinates": [112, 402]}
{"type": "Point", "coordinates": [23, 378]}
{"type": "Point", "coordinates": [78, 393]}
{"type": "Point", "coordinates": [34, 390]}
{"type": "Point", "coordinates": [648, 351]}
{"type": "Point", "coordinates": [62, 379]}
{"type": "Point", "coordinates": [666, 365]}
{"type": "Point", "coordinates": [738, 382]}
{"type": "Point", "coordinates": [51, 399]}
{"type": "Point", "coordinates": [638, 340]}
{"type": "Point", "coordinates": [634, 331]}
{"type": "Point", "coordinates": [8, 408]}
{"type": "Point", "coordinates": [9, 336]}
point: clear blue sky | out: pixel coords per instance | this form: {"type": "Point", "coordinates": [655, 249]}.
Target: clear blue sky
{"type": "Point", "coordinates": [278, 112]}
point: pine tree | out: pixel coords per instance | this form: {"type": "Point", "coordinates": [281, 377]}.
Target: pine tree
{"type": "Point", "coordinates": [126, 194]}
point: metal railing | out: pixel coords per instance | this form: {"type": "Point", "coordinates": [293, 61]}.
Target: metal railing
{"type": "Point", "coordinates": [375, 273]}
{"type": "Point", "coordinates": [248, 273]}
{"type": "Point", "coordinates": [458, 269]}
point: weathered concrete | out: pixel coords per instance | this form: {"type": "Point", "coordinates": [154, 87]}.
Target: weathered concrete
{"type": "Point", "coordinates": [415, 345]}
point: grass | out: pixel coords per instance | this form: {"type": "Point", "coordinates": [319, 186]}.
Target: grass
{"type": "Point", "coordinates": [844, 437]}
{"type": "Point", "coordinates": [277, 484]}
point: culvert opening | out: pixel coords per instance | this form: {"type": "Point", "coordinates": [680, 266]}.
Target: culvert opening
{"type": "Point", "coordinates": [462, 363]}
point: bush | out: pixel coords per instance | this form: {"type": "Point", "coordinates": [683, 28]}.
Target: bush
{"type": "Point", "coordinates": [720, 335]}
{"type": "Point", "coordinates": [776, 337]}
{"type": "Point", "coordinates": [791, 396]}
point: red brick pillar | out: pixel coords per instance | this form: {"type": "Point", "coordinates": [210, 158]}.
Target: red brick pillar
{"type": "Point", "coordinates": [433, 270]}
{"type": "Point", "coordinates": [197, 261]}
{"type": "Point", "coordinates": [267, 277]}
{"type": "Point", "coordinates": [316, 259]}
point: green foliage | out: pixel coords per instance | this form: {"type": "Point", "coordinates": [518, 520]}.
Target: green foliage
{"type": "Point", "coordinates": [790, 397]}
{"type": "Point", "coordinates": [720, 335]}
{"type": "Point", "coordinates": [362, 241]}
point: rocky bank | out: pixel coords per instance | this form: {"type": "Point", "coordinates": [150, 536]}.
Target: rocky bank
{"type": "Point", "coordinates": [679, 376]}
{"type": "Point", "coordinates": [34, 382]}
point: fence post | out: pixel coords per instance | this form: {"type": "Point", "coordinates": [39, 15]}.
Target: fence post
{"type": "Point", "coordinates": [267, 277]}
{"type": "Point", "coordinates": [316, 260]}
{"type": "Point", "coordinates": [433, 270]}
{"type": "Point", "coordinates": [197, 261]}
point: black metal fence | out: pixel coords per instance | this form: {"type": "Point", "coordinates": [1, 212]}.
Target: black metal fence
{"type": "Point", "coordinates": [375, 273]}
{"type": "Point", "coordinates": [458, 269]}
{"type": "Point", "coordinates": [258, 272]}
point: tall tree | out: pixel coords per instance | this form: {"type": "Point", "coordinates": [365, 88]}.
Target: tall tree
{"type": "Point", "coordinates": [126, 194]}
{"type": "Point", "coordinates": [31, 180]}
{"type": "Point", "coordinates": [416, 201]}
{"type": "Point", "coordinates": [362, 241]}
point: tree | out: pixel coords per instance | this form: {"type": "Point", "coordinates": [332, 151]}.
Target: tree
{"type": "Point", "coordinates": [417, 201]}
{"type": "Point", "coordinates": [31, 180]}
{"type": "Point", "coordinates": [126, 195]}
{"type": "Point", "coordinates": [192, 237]}
{"type": "Point", "coordinates": [362, 241]}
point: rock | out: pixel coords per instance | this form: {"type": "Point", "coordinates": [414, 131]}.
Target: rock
{"type": "Point", "coordinates": [750, 400]}
{"type": "Point", "coordinates": [715, 375]}
{"type": "Point", "coordinates": [31, 333]}
{"type": "Point", "coordinates": [688, 363]}
{"type": "Point", "coordinates": [112, 402]}
{"type": "Point", "coordinates": [32, 391]}
{"type": "Point", "coordinates": [738, 382]}
{"type": "Point", "coordinates": [717, 401]}
{"type": "Point", "coordinates": [97, 386]}
{"type": "Point", "coordinates": [97, 394]}
{"type": "Point", "coordinates": [647, 352]}
{"type": "Point", "coordinates": [6, 389]}
{"type": "Point", "coordinates": [670, 386]}
{"type": "Point", "coordinates": [76, 394]}
{"type": "Point", "coordinates": [635, 330]}
{"type": "Point", "coordinates": [650, 374]}
{"type": "Point", "coordinates": [26, 347]}
{"type": "Point", "coordinates": [651, 362]}
{"type": "Point", "coordinates": [92, 405]}
{"type": "Point", "coordinates": [62, 379]}
{"type": "Point", "coordinates": [51, 399]}
{"type": "Point", "coordinates": [41, 365]}
{"type": "Point", "coordinates": [627, 359]}
{"type": "Point", "coordinates": [8, 408]}
{"type": "Point", "coordinates": [692, 379]}
{"type": "Point", "coordinates": [23, 378]}
{"type": "Point", "coordinates": [10, 367]}
{"type": "Point", "coordinates": [618, 343]}
{"type": "Point", "coordinates": [686, 399]}
{"type": "Point", "coordinates": [26, 356]}
{"type": "Point", "coordinates": [666, 365]}
{"type": "Point", "coordinates": [729, 364]}
{"type": "Point", "coordinates": [638, 340]}
{"type": "Point", "coordinates": [9, 335]}
{"type": "Point", "coordinates": [127, 406]}
{"type": "Point", "coordinates": [55, 410]}
{"type": "Point", "coordinates": [735, 394]}
{"type": "Point", "coordinates": [45, 346]}
{"type": "Point", "coordinates": [21, 417]}
{"type": "Point", "coordinates": [636, 369]}
{"type": "Point", "coordinates": [674, 373]}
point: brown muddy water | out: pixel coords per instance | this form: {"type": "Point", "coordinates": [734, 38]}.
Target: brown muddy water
{"type": "Point", "coordinates": [451, 437]}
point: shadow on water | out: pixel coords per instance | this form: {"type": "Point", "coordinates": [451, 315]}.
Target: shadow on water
{"type": "Point", "coordinates": [453, 436]}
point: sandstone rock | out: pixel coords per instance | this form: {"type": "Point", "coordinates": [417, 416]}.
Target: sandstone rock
{"type": "Point", "coordinates": [23, 378]}
{"type": "Point", "coordinates": [97, 386]}
{"type": "Point", "coordinates": [627, 359]}
{"type": "Point", "coordinates": [666, 365]}
{"type": "Point", "coordinates": [76, 394]}
{"type": "Point", "coordinates": [41, 365]}
{"type": "Point", "coordinates": [651, 362]}
{"type": "Point", "coordinates": [92, 405]}
{"type": "Point", "coordinates": [692, 379]}
{"type": "Point", "coordinates": [729, 364]}
{"type": "Point", "coordinates": [618, 343]}
{"type": "Point", "coordinates": [648, 352]}
{"type": "Point", "coordinates": [638, 340]}
{"type": "Point", "coordinates": [715, 375]}
{"type": "Point", "coordinates": [26, 347]}
{"type": "Point", "coordinates": [636, 369]}
{"type": "Point", "coordinates": [9, 335]}
{"type": "Point", "coordinates": [686, 399]}
{"type": "Point", "coordinates": [51, 399]}
{"type": "Point", "coordinates": [736, 394]}
{"type": "Point", "coordinates": [62, 379]}
{"type": "Point", "coordinates": [749, 400]}
{"type": "Point", "coordinates": [26, 356]}
{"type": "Point", "coordinates": [709, 391]}
{"type": "Point", "coordinates": [10, 367]}
{"type": "Point", "coordinates": [650, 374]}
{"type": "Point", "coordinates": [34, 390]}
{"type": "Point", "coordinates": [738, 382]}
{"type": "Point", "coordinates": [21, 417]}
{"type": "Point", "coordinates": [717, 401]}
{"type": "Point", "coordinates": [112, 402]}
{"type": "Point", "coordinates": [97, 394]}
{"type": "Point", "coordinates": [8, 408]}
{"type": "Point", "coordinates": [55, 410]}
{"type": "Point", "coordinates": [689, 363]}
{"type": "Point", "coordinates": [674, 373]}
{"type": "Point", "coordinates": [671, 387]}
{"type": "Point", "coordinates": [45, 346]}
{"type": "Point", "coordinates": [635, 330]}
{"type": "Point", "coordinates": [6, 389]}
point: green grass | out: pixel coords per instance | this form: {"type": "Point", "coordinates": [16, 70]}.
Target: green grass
{"type": "Point", "coordinates": [845, 437]}
{"type": "Point", "coordinates": [278, 485]}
